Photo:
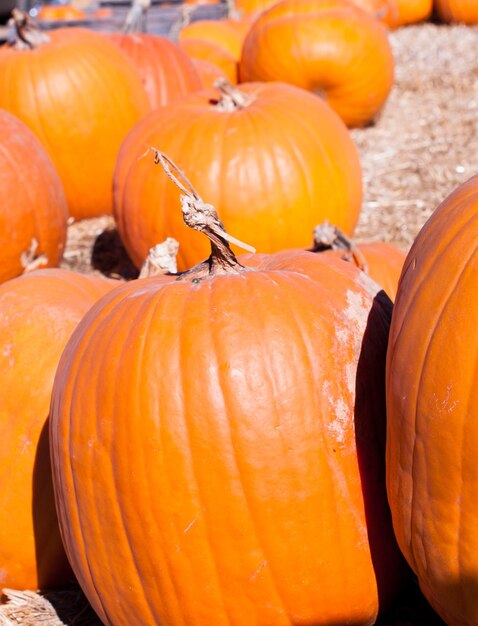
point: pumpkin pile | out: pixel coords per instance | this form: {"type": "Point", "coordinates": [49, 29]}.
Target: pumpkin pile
{"type": "Point", "coordinates": [274, 438]}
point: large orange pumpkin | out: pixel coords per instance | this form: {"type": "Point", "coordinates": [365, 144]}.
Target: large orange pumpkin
{"type": "Point", "coordinates": [236, 149]}
{"type": "Point", "coordinates": [80, 95]}
{"type": "Point", "coordinates": [412, 11]}
{"type": "Point", "coordinates": [33, 210]}
{"type": "Point", "coordinates": [465, 11]}
{"type": "Point", "coordinates": [330, 47]}
{"type": "Point", "coordinates": [381, 260]}
{"type": "Point", "coordinates": [166, 70]}
{"type": "Point", "coordinates": [432, 400]}
{"type": "Point", "coordinates": [218, 442]}
{"type": "Point", "coordinates": [38, 312]}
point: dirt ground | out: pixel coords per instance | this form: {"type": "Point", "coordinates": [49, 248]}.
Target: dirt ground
{"type": "Point", "coordinates": [422, 146]}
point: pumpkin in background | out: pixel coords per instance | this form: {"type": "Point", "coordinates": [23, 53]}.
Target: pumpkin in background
{"type": "Point", "coordinates": [60, 12]}
{"type": "Point", "coordinates": [38, 312]}
{"type": "Point", "coordinates": [203, 50]}
{"type": "Point", "coordinates": [464, 11]}
{"type": "Point", "coordinates": [382, 261]}
{"type": "Point", "coordinates": [239, 475]}
{"type": "Point", "coordinates": [166, 70]}
{"type": "Point", "coordinates": [87, 96]}
{"type": "Point", "coordinates": [33, 211]}
{"type": "Point", "coordinates": [385, 11]}
{"type": "Point", "coordinates": [208, 72]}
{"type": "Point", "coordinates": [413, 11]}
{"type": "Point", "coordinates": [235, 145]}
{"type": "Point", "coordinates": [330, 47]}
{"type": "Point", "coordinates": [432, 404]}
{"type": "Point", "coordinates": [228, 34]}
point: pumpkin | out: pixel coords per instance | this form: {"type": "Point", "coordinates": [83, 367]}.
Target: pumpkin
{"type": "Point", "coordinates": [432, 383]}
{"type": "Point", "coordinates": [412, 11]}
{"type": "Point", "coordinates": [33, 211]}
{"type": "Point", "coordinates": [464, 11]}
{"type": "Point", "coordinates": [60, 12]}
{"type": "Point", "coordinates": [167, 71]}
{"type": "Point", "coordinates": [235, 145]}
{"type": "Point", "coordinates": [227, 429]}
{"type": "Point", "coordinates": [329, 47]}
{"type": "Point", "coordinates": [38, 312]}
{"type": "Point", "coordinates": [381, 260]}
{"type": "Point", "coordinates": [203, 50]}
{"type": "Point", "coordinates": [227, 34]}
{"type": "Point", "coordinates": [384, 10]}
{"type": "Point", "coordinates": [208, 72]}
{"type": "Point", "coordinates": [87, 96]}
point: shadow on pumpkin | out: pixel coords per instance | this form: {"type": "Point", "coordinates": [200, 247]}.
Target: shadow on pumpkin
{"type": "Point", "coordinates": [391, 569]}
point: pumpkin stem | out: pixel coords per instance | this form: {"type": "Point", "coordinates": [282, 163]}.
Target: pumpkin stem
{"type": "Point", "coordinates": [30, 260]}
{"type": "Point", "coordinates": [161, 259]}
{"type": "Point", "coordinates": [135, 21]}
{"type": "Point", "coordinates": [203, 217]}
{"type": "Point", "coordinates": [28, 32]}
{"type": "Point", "coordinates": [329, 237]}
{"type": "Point", "coordinates": [232, 98]}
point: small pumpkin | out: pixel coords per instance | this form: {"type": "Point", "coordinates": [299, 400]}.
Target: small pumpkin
{"type": "Point", "coordinates": [235, 144]}
{"type": "Point", "coordinates": [381, 260]}
{"type": "Point", "coordinates": [165, 69]}
{"type": "Point", "coordinates": [33, 211]}
{"type": "Point", "coordinates": [238, 476]}
{"type": "Point", "coordinates": [458, 11]}
{"type": "Point", "coordinates": [330, 47]}
{"type": "Point", "coordinates": [432, 405]}
{"type": "Point", "coordinates": [38, 312]}
{"type": "Point", "coordinates": [87, 97]}
{"type": "Point", "coordinates": [204, 50]}
{"type": "Point", "coordinates": [227, 34]}
{"type": "Point", "coordinates": [413, 11]}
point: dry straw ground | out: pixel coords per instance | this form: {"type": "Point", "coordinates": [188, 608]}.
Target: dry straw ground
{"type": "Point", "coordinates": [424, 144]}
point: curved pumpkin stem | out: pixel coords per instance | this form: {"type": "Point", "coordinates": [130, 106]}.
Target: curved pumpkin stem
{"type": "Point", "coordinates": [135, 21]}
{"type": "Point", "coordinates": [28, 33]}
{"type": "Point", "coordinates": [232, 98]}
{"type": "Point", "coordinates": [203, 217]}
{"type": "Point", "coordinates": [329, 237]}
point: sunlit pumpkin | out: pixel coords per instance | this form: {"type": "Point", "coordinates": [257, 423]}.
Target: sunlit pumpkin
{"type": "Point", "coordinates": [464, 11]}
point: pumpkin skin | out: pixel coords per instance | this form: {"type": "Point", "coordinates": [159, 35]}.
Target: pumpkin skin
{"type": "Point", "coordinates": [39, 311]}
{"type": "Point", "coordinates": [462, 11]}
{"type": "Point", "coordinates": [166, 71]}
{"type": "Point", "coordinates": [413, 11]}
{"type": "Point", "coordinates": [204, 50]}
{"type": "Point", "coordinates": [385, 10]}
{"type": "Point", "coordinates": [87, 96]}
{"type": "Point", "coordinates": [60, 12]}
{"type": "Point", "coordinates": [228, 34]}
{"type": "Point", "coordinates": [336, 50]}
{"type": "Point", "coordinates": [33, 206]}
{"type": "Point", "coordinates": [432, 407]}
{"type": "Point", "coordinates": [226, 482]}
{"type": "Point", "coordinates": [267, 195]}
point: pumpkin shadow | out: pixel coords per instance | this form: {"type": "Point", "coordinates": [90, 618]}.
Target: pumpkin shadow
{"type": "Point", "coordinates": [109, 256]}
{"type": "Point", "coordinates": [391, 570]}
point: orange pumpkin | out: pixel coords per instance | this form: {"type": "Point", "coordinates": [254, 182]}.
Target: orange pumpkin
{"type": "Point", "coordinates": [87, 96]}
{"type": "Point", "coordinates": [60, 12]}
{"type": "Point", "coordinates": [385, 11]}
{"type": "Point", "coordinates": [33, 211]}
{"type": "Point", "coordinates": [38, 314]}
{"type": "Point", "coordinates": [228, 34]}
{"type": "Point", "coordinates": [204, 50]}
{"type": "Point", "coordinates": [412, 11]}
{"type": "Point", "coordinates": [166, 70]}
{"type": "Point", "coordinates": [236, 148]}
{"type": "Point", "coordinates": [464, 11]}
{"type": "Point", "coordinates": [381, 260]}
{"type": "Point", "coordinates": [208, 72]}
{"type": "Point", "coordinates": [432, 400]}
{"type": "Point", "coordinates": [330, 47]}
{"type": "Point", "coordinates": [239, 475]}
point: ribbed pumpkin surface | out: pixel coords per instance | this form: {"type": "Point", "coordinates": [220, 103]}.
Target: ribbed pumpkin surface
{"type": "Point", "coordinates": [80, 95]}
{"type": "Point", "coordinates": [167, 71]}
{"type": "Point", "coordinates": [242, 162]}
{"type": "Point", "coordinates": [219, 445]}
{"type": "Point", "coordinates": [38, 314]}
{"type": "Point", "coordinates": [330, 47]}
{"type": "Point", "coordinates": [432, 403]}
{"type": "Point", "coordinates": [33, 207]}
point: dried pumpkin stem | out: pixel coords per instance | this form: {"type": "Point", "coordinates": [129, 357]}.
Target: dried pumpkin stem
{"type": "Point", "coordinates": [135, 21]}
{"type": "Point", "coordinates": [28, 32]}
{"type": "Point", "coordinates": [329, 237]}
{"type": "Point", "coordinates": [203, 217]}
{"type": "Point", "coordinates": [232, 98]}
